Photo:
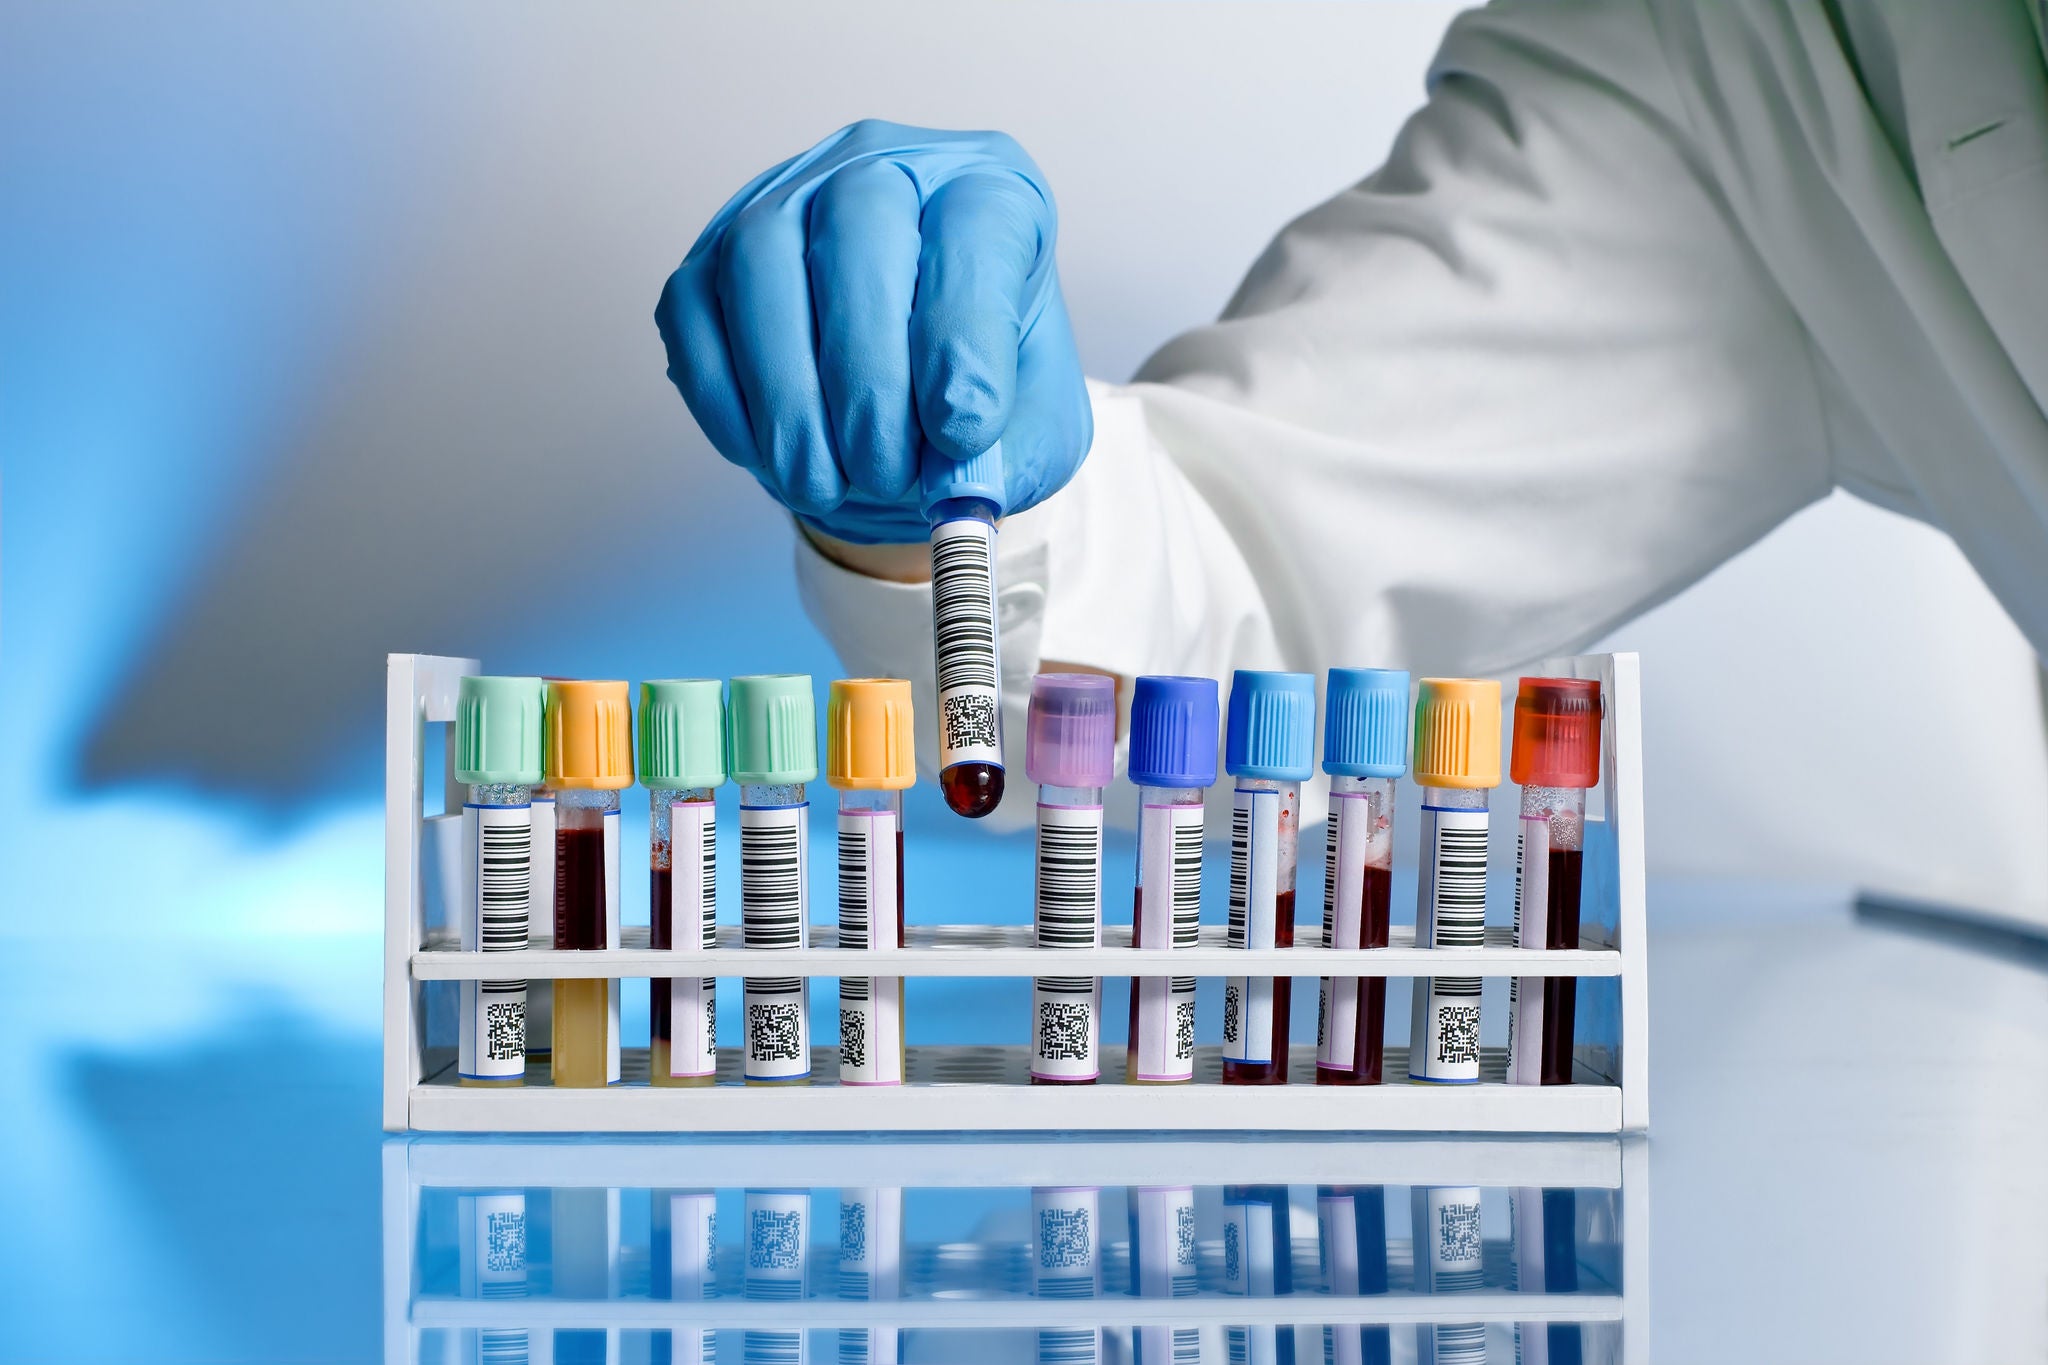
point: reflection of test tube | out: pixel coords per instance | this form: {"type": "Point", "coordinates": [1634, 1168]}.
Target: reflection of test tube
{"type": "Point", "coordinates": [1164, 1266]}
{"type": "Point", "coordinates": [1351, 1221]}
{"type": "Point", "coordinates": [1172, 764]}
{"type": "Point", "coordinates": [1069, 751]}
{"type": "Point", "coordinates": [1269, 747]}
{"type": "Point", "coordinates": [1066, 1263]}
{"type": "Point", "coordinates": [589, 759]}
{"type": "Point", "coordinates": [1365, 748]}
{"type": "Point", "coordinates": [1449, 1259]}
{"type": "Point", "coordinates": [870, 1269]}
{"type": "Point", "coordinates": [493, 1262]}
{"type": "Point", "coordinates": [778, 1233]}
{"type": "Point", "coordinates": [683, 1251]}
{"type": "Point", "coordinates": [497, 753]}
{"type": "Point", "coordinates": [1457, 761]}
{"type": "Point", "coordinates": [1555, 756]}
{"type": "Point", "coordinates": [1544, 1225]}
{"type": "Point", "coordinates": [682, 757]}
{"type": "Point", "coordinates": [774, 753]}
{"type": "Point", "coordinates": [869, 757]}
{"type": "Point", "coordinates": [1258, 1260]}
{"type": "Point", "coordinates": [586, 1234]}
{"type": "Point", "coordinates": [963, 500]}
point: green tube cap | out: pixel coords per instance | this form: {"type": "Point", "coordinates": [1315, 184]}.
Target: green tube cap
{"type": "Point", "coordinates": [774, 730]}
{"type": "Point", "coordinates": [498, 731]}
{"type": "Point", "coordinates": [682, 733]}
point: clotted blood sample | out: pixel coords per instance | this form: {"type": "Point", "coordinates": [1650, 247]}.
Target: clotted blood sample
{"type": "Point", "coordinates": [963, 500]}
{"type": "Point", "coordinates": [589, 758]}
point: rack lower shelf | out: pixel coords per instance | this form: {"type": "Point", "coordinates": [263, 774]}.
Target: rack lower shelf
{"type": "Point", "coordinates": [949, 1084]}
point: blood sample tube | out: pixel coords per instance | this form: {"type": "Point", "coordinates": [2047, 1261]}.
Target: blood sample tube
{"type": "Point", "coordinates": [682, 759]}
{"type": "Point", "coordinates": [1066, 1263]}
{"type": "Point", "coordinates": [683, 1249]}
{"type": "Point", "coordinates": [778, 1233]}
{"type": "Point", "coordinates": [871, 1269]}
{"type": "Point", "coordinates": [774, 753]}
{"type": "Point", "coordinates": [1457, 762]}
{"type": "Point", "coordinates": [1258, 1260]}
{"type": "Point", "coordinates": [1172, 764]}
{"type": "Point", "coordinates": [1351, 1223]}
{"type": "Point", "coordinates": [1070, 752]}
{"type": "Point", "coordinates": [1555, 756]}
{"type": "Point", "coordinates": [870, 757]}
{"type": "Point", "coordinates": [963, 500]}
{"type": "Point", "coordinates": [497, 753]}
{"type": "Point", "coordinates": [1269, 747]}
{"type": "Point", "coordinates": [1545, 1260]}
{"type": "Point", "coordinates": [589, 760]}
{"type": "Point", "coordinates": [1365, 748]}
{"type": "Point", "coordinates": [1450, 1258]}
{"type": "Point", "coordinates": [1164, 1266]}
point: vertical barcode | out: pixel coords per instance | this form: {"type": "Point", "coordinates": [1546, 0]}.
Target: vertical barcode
{"type": "Point", "coordinates": [1187, 1346]}
{"type": "Point", "coordinates": [1069, 911]}
{"type": "Point", "coordinates": [708, 883]}
{"type": "Point", "coordinates": [1240, 874]}
{"type": "Point", "coordinates": [504, 882]}
{"type": "Point", "coordinates": [963, 608]}
{"type": "Point", "coordinates": [1330, 842]}
{"type": "Point", "coordinates": [854, 892]}
{"type": "Point", "coordinates": [771, 886]}
{"type": "Point", "coordinates": [1460, 901]}
{"type": "Point", "coordinates": [1187, 881]}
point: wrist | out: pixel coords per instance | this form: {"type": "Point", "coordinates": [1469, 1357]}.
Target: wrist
{"type": "Point", "coordinates": [890, 563]}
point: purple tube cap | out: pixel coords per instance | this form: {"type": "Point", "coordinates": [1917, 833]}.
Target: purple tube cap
{"type": "Point", "coordinates": [1070, 731]}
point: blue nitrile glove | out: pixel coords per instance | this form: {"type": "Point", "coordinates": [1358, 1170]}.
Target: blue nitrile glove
{"type": "Point", "coordinates": [886, 297]}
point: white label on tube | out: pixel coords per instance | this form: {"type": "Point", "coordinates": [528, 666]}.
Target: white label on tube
{"type": "Point", "coordinates": [1066, 1011]}
{"type": "Point", "coordinates": [870, 1007]}
{"type": "Point", "coordinates": [1249, 1269]}
{"type": "Point", "coordinates": [1525, 993]}
{"type": "Point", "coordinates": [692, 1270]}
{"type": "Point", "coordinates": [870, 1267]}
{"type": "Point", "coordinates": [1170, 871]}
{"type": "Point", "coordinates": [1163, 1265]}
{"type": "Point", "coordinates": [965, 635]}
{"type": "Point", "coordinates": [1254, 863]}
{"type": "Point", "coordinates": [540, 906]}
{"type": "Point", "coordinates": [611, 940]}
{"type": "Point", "coordinates": [1450, 914]}
{"type": "Point", "coordinates": [498, 848]}
{"type": "Point", "coordinates": [1066, 1263]}
{"type": "Point", "coordinates": [693, 921]}
{"type": "Point", "coordinates": [494, 1260]}
{"type": "Point", "coordinates": [778, 1239]}
{"type": "Point", "coordinates": [1449, 1259]}
{"type": "Point", "coordinates": [774, 843]}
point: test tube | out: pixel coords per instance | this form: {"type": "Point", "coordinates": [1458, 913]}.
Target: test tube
{"type": "Point", "coordinates": [493, 1246]}
{"type": "Point", "coordinates": [1365, 748]}
{"type": "Point", "coordinates": [589, 728]}
{"type": "Point", "coordinates": [682, 1240]}
{"type": "Point", "coordinates": [1269, 747]}
{"type": "Point", "coordinates": [1070, 752]}
{"type": "Point", "coordinates": [1164, 1265]}
{"type": "Point", "coordinates": [1555, 756]}
{"type": "Point", "coordinates": [1258, 1260]}
{"type": "Point", "coordinates": [1450, 1258]}
{"type": "Point", "coordinates": [774, 753]}
{"type": "Point", "coordinates": [963, 499]}
{"type": "Point", "coordinates": [778, 1233]}
{"type": "Point", "coordinates": [871, 1269]}
{"type": "Point", "coordinates": [1545, 1260]}
{"type": "Point", "coordinates": [1351, 1223]}
{"type": "Point", "coordinates": [870, 757]}
{"type": "Point", "coordinates": [1066, 1263]}
{"type": "Point", "coordinates": [1172, 764]}
{"type": "Point", "coordinates": [1457, 762]}
{"type": "Point", "coordinates": [587, 1253]}
{"type": "Point", "coordinates": [497, 754]}
{"type": "Point", "coordinates": [682, 759]}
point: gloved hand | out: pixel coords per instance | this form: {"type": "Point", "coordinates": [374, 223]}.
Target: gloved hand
{"type": "Point", "coordinates": [890, 291]}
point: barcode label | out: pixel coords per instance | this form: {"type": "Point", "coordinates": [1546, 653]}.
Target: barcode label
{"type": "Point", "coordinates": [964, 635]}
{"type": "Point", "coordinates": [1066, 1249]}
{"type": "Point", "coordinates": [871, 1243]}
{"type": "Point", "coordinates": [693, 1246]}
{"type": "Point", "coordinates": [777, 1230]}
{"type": "Point", "coordinates": [774, 856]}
{"type": "Point", "coordinates": [1525, 994]}
{"type": "Point", "coordinates": [1450, 914]}
{"type": "Point", "coordinates": [1163, 1250]}
{"type": "Point", "coordinates": [491, 1042]}
{"type": "Point", "coordinates": [1449, 1251]}
{"type": "Point", "coordinates": [1254, 868]}
{"type": "Point", "coordinates": [1169, 915]}
{"type": "Point", "coordinates": [1065, 1010]}
{"type": "Point", "coordinates": [693, 911]}
{"type": "Point", "coordinates": [870, 1008]}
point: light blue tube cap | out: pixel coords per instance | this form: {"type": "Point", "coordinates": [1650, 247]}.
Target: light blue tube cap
{"type": "Point", "coordinates": [1365, 722]}
{"type": "Point", "coordinates": [1271, 732]}
{"type": "Point", "coordinates": [942, 479]}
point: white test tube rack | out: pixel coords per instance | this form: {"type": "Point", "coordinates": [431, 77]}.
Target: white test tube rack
{"type": "Point", "coordinates": [984, 1088]}
{"type": "Point", "coordinates": [1613, 1269]}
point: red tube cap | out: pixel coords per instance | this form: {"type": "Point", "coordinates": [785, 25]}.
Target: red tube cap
{"type": "Point", "coordinates": [1557, 733]}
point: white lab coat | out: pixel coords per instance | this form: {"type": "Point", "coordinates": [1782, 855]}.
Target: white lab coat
{"type": "Point", "coordinates": [1639, 281]}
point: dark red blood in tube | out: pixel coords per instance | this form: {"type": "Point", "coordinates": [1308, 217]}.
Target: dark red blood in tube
{"type": "Point", "coordinates": [1561, 993]}
{"type": "Point", "coordinates": [1275, 1071]}
{"type": "Point", "coordinates": [1370, 1040]}
{"type": "Point", "coordinates": [972, 789]}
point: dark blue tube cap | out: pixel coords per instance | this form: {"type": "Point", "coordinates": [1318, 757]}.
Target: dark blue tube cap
{"type": "Point", "coordinates": [1365, 722]}
{"type": "Point", "coordinates": [1272, 729]}
{"type": "Point", "coordinates": [1173, 732]}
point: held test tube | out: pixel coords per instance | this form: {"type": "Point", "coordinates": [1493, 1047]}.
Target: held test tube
{"type": "Point", "coordinates": [1069, 751]}
{"type": "Point", "coordinates": [1457, 762]}
{"type": "Point", "coordinates": [963, 500]}
{"type": "Point", "coordinates": [589, 760]}
{"type": "Point", "coordinates": [682, 758]}
{"type": "Point", "coordinates": [870, 758]}
{"type": "Point", "coordinates": [1555, 756]}
{"type": "Point", "coordinates": [1172, 764]}
{"type": "Point", "coordinates": [497, 748]}
{"type": "Point", "coordinates": [1269, 747]}
{"type": "Point", "coordinates": [1365, 748]}
{"type": "Point", "coordinates": [774, 753]}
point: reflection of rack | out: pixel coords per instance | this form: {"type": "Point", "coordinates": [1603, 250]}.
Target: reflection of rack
{"type": "Point", "coordinates": [985, 1286]}
{"type": "Point", "coordinates": [979, 1087]}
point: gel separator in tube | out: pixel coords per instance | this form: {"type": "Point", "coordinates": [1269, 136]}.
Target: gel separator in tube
{"type": "Point", "coordinates": [1172, 764]}
{"type": "Point", "coordinates": [1070, 752]}
{"type": "Point", "coordinates": [682, 760]}
{"type": "Point", "coordinates": [1457, 762]}
{"type": "Point", "coordinates": [869, 757]}
{"type": "Point", "coordinates": [498, 757]}
{"type": "Point", "coordinates": [963, 500]}
{"type": "Point", "coordinates": [774, 755]}
{"type": "Point", "coordinates": [589, 743]}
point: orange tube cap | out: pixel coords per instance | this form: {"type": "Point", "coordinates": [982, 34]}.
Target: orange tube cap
{"type": "Point", "coordinates": [589, 735]}
{"type": "Point", "coordinates": [1457, 733]}
{"type": "Point", "coordinates": [869, 742]}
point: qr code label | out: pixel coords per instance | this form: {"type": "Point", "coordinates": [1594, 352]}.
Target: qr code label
{"type": "Point", "coordinates": [853, 1232]}
{"type": "Point", "coordinates": [969, 719]}
{"type": "Point", "coordinates": [774, 1239]}
{"type": "Point", "coordinates": [1232, 1006]}
{"type": "Point", "coordinates": [1062, 1031]}
{"type": "Point", "coordinates": [775, 1030]}
{"type": "Point", "coordinates": [853, 1038]}
{"type": "Point", "coordinates": [1063, 1239]}
{"type": "Point", "coordinates": [1457, 1230]}
{"type": "Point", "coordinates": [1184, 1030]}
{"type": "Point", "coordinates": [1457, 1034]}
{"type": "Point", "coordinates": [1184, 1235]}
{"type": "Point", "coordinates": [504, 1243]}
{"type": "Point", "coordinates": [505, 1030]}
{"type": "Point", "coordinates": [1233, 1254]}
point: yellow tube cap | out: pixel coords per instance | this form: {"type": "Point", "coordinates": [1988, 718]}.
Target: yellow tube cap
{"type": "Point", "coordinates": [589, 735]}
{"type": "Point", "coordinates": [1457, 733]}
{"type": "Point", "coordinates": [869, 742]}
